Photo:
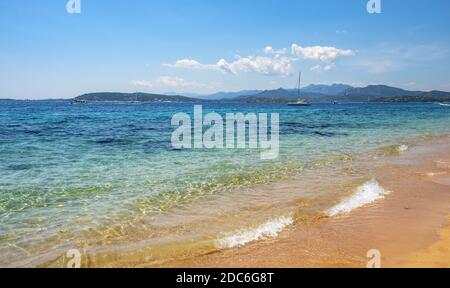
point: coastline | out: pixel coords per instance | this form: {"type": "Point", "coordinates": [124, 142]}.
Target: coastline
{"type": "Point", "coordinates": [410, 227]}
{"type": "Point", "coordinates": [223, 136]}
{"type": "Point", "coordinates": [403, 214]}
{"type": "Point", "coordinates": [143, 210]}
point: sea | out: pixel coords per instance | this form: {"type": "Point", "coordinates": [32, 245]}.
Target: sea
{"type": "Point", "coordinates": [105, 180]}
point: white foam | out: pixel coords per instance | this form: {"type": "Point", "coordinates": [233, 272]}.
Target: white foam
{"type": "Point", "coordinates": [270, 229]}
{"type": "Point", "coordinates": [403, 148]}
{"type": "Point", "coordinates": [369, 192]}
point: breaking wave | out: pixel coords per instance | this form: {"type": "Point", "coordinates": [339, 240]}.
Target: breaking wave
{"type": "Point", "coordinates": [403, 148]}
{"type": "Point", "coordinates": [394, 149]}
{"type": "Point", "coordinates": [270, 229]}
{"type": "Point", "coordinates": [369, 192]}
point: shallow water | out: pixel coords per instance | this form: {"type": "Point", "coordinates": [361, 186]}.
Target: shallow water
{"type": "Point", "coordinates": [105, 177]}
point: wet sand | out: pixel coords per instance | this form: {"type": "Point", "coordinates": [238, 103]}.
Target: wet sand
{"type": "Point", "coordinates": [410, 227]}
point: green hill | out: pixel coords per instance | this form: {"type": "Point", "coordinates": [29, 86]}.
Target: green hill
{"type": "Point", "coordinates": [135, 97]}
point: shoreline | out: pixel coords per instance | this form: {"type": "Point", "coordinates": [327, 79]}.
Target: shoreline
{"type": "Point", "coordinates": [410, 227]}
{"type": "Point", "coordinates": [404, 220]}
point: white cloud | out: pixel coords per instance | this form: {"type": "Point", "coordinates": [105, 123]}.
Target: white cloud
{"type": "Point", "coordinates": [320, 53]}
{"type": "Point", "coordinates": [270, 50]}
{"type": "Point", "coordinates": [329, 67]}
{"type": "Point", "coordinates": [177, 82]}
{"type": "Point", "coordinates": [325, 54]}
{"type": "Point", "coordinates": [142, 83]}
{"type": "Point", "coordinates": [259, 64]}
{"type": "Point", "coordinates": [190, 64]}
{"type": "Point", "coordinates": [316, 68]}
{"type": "Point", "coordinates": [170, 82]}
{"type": "Point", "coordinates": [323, 68]}
{"type": "Point", "coordinates": [276, 65]}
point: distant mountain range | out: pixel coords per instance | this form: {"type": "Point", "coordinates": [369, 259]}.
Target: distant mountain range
{"type": "Point", "coordinates": [135, 97]}
{"type": "Point", "coordinates": [372, 93]}
{"type": "Point", "coordinates": [432, 96]}
{"type": "Point", "coordinates": [383, 93]}
{"type": "Point", "coordinates": [283, 96]}
{"type": "Point", "coordinates": [333, 89]}
{"type": "Point", "coordinates": [186, 94]}
{"type": "Point", "coordinates": [320, 89]}
{"type": "Point", "coordinates": [340, 93]}
{"type": "Point", "coordinates": [229, 95]}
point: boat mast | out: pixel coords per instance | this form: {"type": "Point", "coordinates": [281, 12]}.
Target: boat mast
{"type": "Point", "coordinates": [299, 83]}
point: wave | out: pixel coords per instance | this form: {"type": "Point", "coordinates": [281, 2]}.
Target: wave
{"type": "Point", "coordinates": [394, 149]}
{"type": "Point", "coordinates": [403, 148]}
{"type": "Point", "coordinates": [444, 104]}
{"type": "Point", "coordinates": [369, 192]}
{"type": "Point", "coordinates": [270, 229]}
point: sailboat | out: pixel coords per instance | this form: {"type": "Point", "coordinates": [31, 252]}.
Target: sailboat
{"type": "Point", "coordinates": [300, 102]}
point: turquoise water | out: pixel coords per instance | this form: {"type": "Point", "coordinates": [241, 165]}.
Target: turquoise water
{"type": "Point", "coordinates": [68, 171]}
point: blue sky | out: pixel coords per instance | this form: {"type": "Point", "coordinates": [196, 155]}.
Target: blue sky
{"type": "Point", "coordinates": [204, 46]}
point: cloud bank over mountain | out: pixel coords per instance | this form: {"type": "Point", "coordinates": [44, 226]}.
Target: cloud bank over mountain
{"type": "Point", "coordinates": [275, 62]}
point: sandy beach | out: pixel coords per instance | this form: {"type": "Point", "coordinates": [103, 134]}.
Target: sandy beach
{"type": "Point", "coordinates": [224, 134]}
{"type": "Point", "coordinates": [410, 227]}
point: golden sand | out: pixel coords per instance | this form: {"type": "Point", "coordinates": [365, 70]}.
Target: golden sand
{"type": "Point", "coordinates": [436, 255]}
{"type": "Point", "coordinates": [409, 228]}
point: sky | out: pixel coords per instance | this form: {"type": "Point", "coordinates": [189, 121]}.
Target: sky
{"type": "Point", "coordinates": [206, 46]}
